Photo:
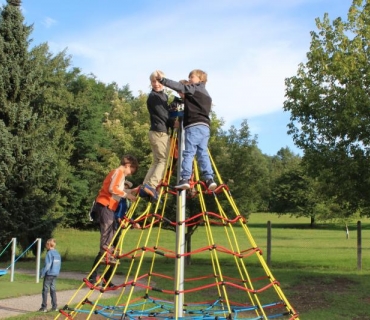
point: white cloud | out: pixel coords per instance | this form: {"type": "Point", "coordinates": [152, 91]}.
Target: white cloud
{"type": "Point", "coordinates": [48, 22]}
{"type": "Point", "coordinates": [248, 48]}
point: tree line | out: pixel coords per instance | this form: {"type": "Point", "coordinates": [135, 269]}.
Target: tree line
{"type": "Point", "coordinates": [61, 131]}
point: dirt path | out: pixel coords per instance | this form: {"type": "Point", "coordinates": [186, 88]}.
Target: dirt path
{"type": "Point", "coordinates": [22, 305]}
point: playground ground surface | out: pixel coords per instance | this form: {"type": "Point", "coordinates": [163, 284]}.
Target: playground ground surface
{"type": "Point", "coordinates": [13, 307]}
{"type": "Point", "coordinates": [306, 298]}
{"type": "Point", "coordinates": [316, 267]}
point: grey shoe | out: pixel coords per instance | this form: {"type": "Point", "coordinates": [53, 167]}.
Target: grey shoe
{"type": "Point", "coordinates": [43, 310]}
{"type": "Point", "coordinates": [211, 185]}
{"type": "Point", "coordinates": [113, 261]}
{"type": "Point", "coordinates": [183, 184]}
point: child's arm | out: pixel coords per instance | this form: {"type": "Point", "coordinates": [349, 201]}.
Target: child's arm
{"type": "Point", "coordinates": [114, 186]}
{"type": "Point", "coordinates": [187, 89]}
{"type": "Point", "coordinates": [47, 266]}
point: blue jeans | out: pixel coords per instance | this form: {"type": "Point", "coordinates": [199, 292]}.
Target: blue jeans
{"type": "Point", "coordinates": [196, 143]}
{"type": "Point", "coordinates": [49, 282]}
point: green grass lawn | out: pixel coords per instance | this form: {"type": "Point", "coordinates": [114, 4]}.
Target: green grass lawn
{"type": "Point", "coordinates": [316, 268]}
{"type": "Point", "coordinates": [24, 285]}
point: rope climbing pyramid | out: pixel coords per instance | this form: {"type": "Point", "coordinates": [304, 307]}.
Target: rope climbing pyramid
{"type": "Point", "coordinates": [227, 278]}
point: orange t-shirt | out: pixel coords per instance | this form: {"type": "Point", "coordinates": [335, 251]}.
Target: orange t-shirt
{"type": "Point", "coordinates": [112, 190]}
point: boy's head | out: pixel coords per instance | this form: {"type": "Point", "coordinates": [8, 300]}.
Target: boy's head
{"type": "Point", "coordinates": [156, 85]}
{"type": "Point", "coordinates": [130, 163]}
{"type": "Point", "coordinates": [50, 244]}
{"type": "Point", "coordinates": [197, 76]}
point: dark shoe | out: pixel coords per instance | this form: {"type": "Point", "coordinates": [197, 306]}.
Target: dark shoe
{"type": "Point", "coordinates": [183, 184]}
{"type": "Point", "coordinates": [142, 193]}
{"type": "Point", "coordinates": [150, 191]}
{"type": "Point", "coordinates": [93, 279]}
{"type": "Point", "coordinates": [43, 310]}
{"type": "Point", "coordinates": [211, 185]}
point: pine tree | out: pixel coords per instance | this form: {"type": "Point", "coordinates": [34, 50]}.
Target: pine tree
{"type": "Point", "coordinates": [31, 132]}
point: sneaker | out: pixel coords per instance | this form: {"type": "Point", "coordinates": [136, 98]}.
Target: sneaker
{"type": "Point", "coordinates": [211, 185]}
{"type": "Point", "coordinates": [54, 309]}
{"type": "Point", "coordinates": [43, 310]}
{"type": "Point", "coordinates": [183, 184]}
{"type": "Point", "coordinates": [93, 280]}
{"type": "Point", "coordinates": [150, 191]}
{"type": "Point", "coordinates": [111, 261]}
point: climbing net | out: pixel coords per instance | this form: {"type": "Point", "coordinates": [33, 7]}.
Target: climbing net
{"type": "Point", "coordinates": [235, 283]}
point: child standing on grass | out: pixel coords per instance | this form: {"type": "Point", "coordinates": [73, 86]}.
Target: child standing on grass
{"type": "Point", "coordinates": [196, 123]}
{"type": "Point", "coordinates": [50, 272]}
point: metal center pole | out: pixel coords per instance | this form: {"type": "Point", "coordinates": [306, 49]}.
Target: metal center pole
{"type": "Point", "coordinates": [180, 232]}
{"type": "Point", "coordinates": [14, 248]}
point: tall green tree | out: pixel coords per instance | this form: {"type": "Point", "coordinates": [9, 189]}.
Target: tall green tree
{"type": "Point", "coordinates": [91, 146]}
{"type": "Point", "coordinates": [127, 124]}
{"type": "Point", "coordinates": [329, 102]}
{"type": "Point", "coordinates": [294, 193]}
{"type": "Point", "coordinates": [31, 133]}
{"type": "Point", "coordinates": [243, 167]}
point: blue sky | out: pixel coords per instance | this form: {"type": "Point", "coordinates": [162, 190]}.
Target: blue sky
{"type": "Point", "coordinates": [247, 47]}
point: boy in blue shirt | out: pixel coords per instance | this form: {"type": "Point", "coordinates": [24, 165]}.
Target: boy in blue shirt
{"type": "Point", "coordinates": [50, 272]}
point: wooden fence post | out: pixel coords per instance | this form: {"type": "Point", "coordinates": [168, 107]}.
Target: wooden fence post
{"type": "Point", "coordinates": [269, 243]}
{"type": "Point", "coordinates": [359, 246]}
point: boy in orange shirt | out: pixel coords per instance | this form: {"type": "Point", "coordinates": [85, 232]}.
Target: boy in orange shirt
{"type": "Point", "coordinates": [108, 199]}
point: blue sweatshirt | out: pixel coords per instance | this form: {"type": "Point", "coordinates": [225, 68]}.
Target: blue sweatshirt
{"type": "Point", "coordinates": [53, 263]}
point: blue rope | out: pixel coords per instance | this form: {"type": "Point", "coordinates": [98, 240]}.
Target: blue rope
{"type": "Point", "coordinates": [6, 247]}
{"type": "Point", "coordinates": [21, 255]}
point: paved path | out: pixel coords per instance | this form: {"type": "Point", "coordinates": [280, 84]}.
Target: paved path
{"type": "Point", "coordinates": [22, 305]}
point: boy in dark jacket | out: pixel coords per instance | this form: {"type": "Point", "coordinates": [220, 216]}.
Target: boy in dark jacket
{"type": "Point", "coordinates": [157, 104]}
{"type": "Point", "coordinates": [50, 272]}
{"type": "Point", "coordinates": [196, 124]}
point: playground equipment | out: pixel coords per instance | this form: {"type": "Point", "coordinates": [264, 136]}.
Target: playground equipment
{"type": "Point", "coordinates": [5, 271]}
{"type": "Point", "coordinates": [14, 259]}
{"type": "Point", "coordinates": [246, 289]}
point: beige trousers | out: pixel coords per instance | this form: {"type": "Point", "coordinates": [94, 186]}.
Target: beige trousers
{"type": "Point", "coordinates": [160, 144]}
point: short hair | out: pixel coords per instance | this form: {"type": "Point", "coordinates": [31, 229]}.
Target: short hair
{"type": "Point", "coordinates": [154, 75]}
{"type": "Point", "coordinates": [50, 243]}
{"type": "Point", "coordinates": [131, 160]}
{"type": "Point", "coordinates": [200, 74]}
